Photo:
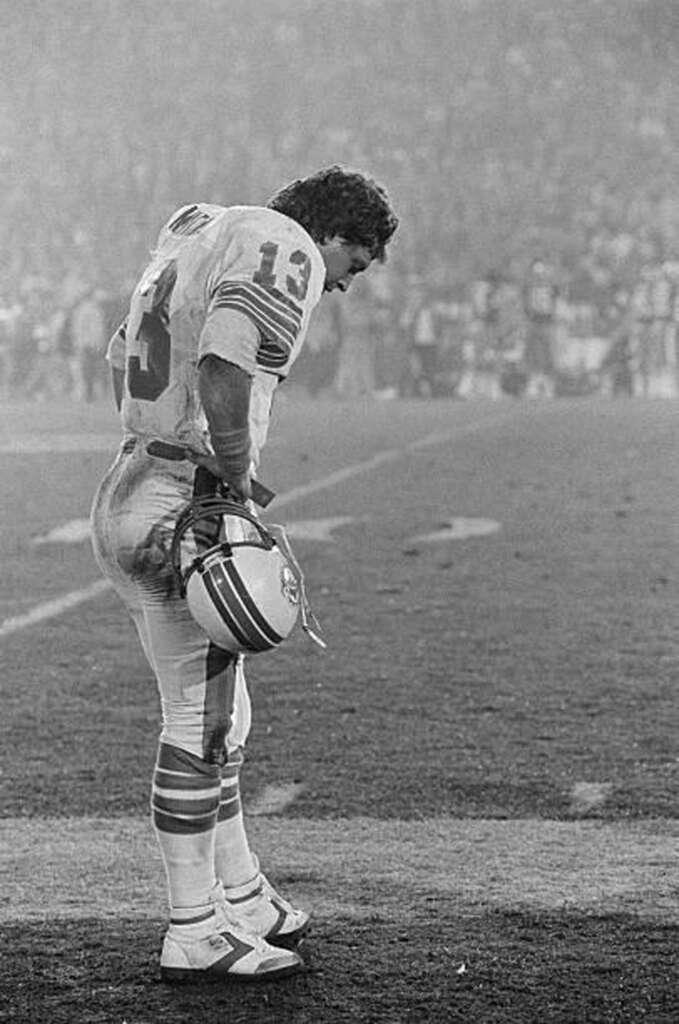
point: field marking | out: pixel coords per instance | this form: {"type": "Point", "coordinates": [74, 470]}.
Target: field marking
{"type": "Point", "coordinates": [588, 796]}
{"type": "Point", "coordinates": [357, 867]}
{"type": "Point", "coordinates": [383, 458]}
{"type": "Point", "coordinates": [77, 531]}
{"type": "Point", "coordinates": [274, 799]}
{"type": "Point", "coordinates": [459, 528]}
{"type": "Point", "coordinates": [54, 444]}
{"type": "Point", "coordinates": [57, 606]}
{"type": "Point", "coordinates": [51, 609]}
{"type": "Point", "coordinates": [317, 529]}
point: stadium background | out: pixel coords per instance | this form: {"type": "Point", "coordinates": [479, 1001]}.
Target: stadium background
{"type": "Point", "coordinates": [505, 131]}
{"type": "Point", "coordinates": [476, 788]}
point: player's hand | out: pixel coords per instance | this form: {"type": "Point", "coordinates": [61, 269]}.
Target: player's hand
{"type": "Point", "coordinates": [206, 461]}
{"type": "Point", "coordinates": [240, 487]}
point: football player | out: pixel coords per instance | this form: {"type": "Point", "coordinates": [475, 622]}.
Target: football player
{"type": "Point", "coordinates": [215, 323]}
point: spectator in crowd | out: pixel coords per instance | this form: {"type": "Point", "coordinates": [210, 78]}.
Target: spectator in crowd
{"type": "Point", "coordinates": [47, 374]}
{"type": "Point", "coordinates": [355, 374]}
{"type": "Point", "coordinates": [540, 298]}
{"type": "Point", "coordinates": [642, 304]}
{"type": "Point", "coordinates": [316, 368]}
{"type": "Point", "coordinates": [10, 316]}
{"type": "Point", "coordinates": [87, 326]}
{"type": "Point", "coordinates": [487, 304]}
{"type": "Point", "coordinates": [424, 345]}
{"type": "Point", "coordinates": [618, 365]}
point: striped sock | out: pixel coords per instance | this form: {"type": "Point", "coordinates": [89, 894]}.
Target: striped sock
{"type": "Point", "coordinates": [233, 860]}
{"type": "Point", "coordinates": [184, 801]}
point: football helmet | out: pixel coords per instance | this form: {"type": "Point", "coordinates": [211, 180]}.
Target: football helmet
{"type": "Point", "coordinates": [242, 590]}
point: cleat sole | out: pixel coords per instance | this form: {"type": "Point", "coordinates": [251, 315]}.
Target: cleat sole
{"type": "Point", "coordinates": [188, 976]}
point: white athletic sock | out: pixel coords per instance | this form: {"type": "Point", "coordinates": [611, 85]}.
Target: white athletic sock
{"type": "Point", "coordinates": [234, 863]}
{"type": "Point", "coordinates": [185, 799]}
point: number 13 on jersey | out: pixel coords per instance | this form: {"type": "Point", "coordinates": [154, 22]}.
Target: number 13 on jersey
{"type": "Point", "coordinates": [271, 268]}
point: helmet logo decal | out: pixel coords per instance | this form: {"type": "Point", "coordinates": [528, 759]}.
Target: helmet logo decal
{"type": "Point", "coordinates": [289, 585]}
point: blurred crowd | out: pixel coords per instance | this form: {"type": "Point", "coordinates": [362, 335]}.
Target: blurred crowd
{"type": "Point", "coordinates": [534, 335]}
{"type": "Point", "coordinates": [532, 154]}
{"type": "Point", "coordinates": [53, 340]}
{"type": "Point", "coordinates": [537, 333]}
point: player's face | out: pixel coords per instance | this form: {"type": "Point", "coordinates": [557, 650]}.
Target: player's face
{"type": "Point", "coordinates": [342, 262]}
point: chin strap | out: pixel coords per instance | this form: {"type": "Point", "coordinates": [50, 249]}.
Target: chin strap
{"type": "Point", "coordinates": [310, 623]}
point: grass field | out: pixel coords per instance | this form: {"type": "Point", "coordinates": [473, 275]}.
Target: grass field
{"type": "Point", "coordinates": [475, 789]}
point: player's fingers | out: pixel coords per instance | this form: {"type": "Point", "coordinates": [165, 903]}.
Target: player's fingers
{"type": "Point", "coordinates": [206, 461]}
{"type": "Point", "coordinates": [240, 489]}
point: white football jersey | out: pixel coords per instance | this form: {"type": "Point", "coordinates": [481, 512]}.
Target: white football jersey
{"type": "Point", "coordinates": [239, 282]}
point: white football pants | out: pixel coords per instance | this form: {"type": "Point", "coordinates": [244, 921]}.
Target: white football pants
{"type": "Point", "coordinates": [204, 697]}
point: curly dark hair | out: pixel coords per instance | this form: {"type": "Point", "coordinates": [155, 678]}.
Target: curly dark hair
{"type": "Point", "coordinates": [340, 202]}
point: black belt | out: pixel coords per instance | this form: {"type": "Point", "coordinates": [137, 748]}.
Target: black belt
{"type": "Point", "coordinates": [261, 495]}
{"type": "Point", "coordinates": [163, 450]}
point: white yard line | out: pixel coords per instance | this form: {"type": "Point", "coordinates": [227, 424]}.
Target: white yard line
{"type": "Point", "coordinates": [59, 605]}
{"type": "Point", "coordinates": [52, 444]}
{"type": "Point", "coordinates": [75, 531]}
{"type": "Point", "coordinates": [50, 609]}
{"type": "Point", "coordinates": [381, 459]}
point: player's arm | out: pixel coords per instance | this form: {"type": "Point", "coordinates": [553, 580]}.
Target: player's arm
{"type": "Point", "coordinates": [115, 355]}
{"type": "Point", "coordinates": [256, 312]}
{"type": "Point", "coordinates": [224, 390]}
{"type": "Point", "coordinates": [118, 382]}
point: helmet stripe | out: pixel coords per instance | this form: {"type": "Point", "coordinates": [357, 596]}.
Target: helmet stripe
{"type": "Point", "coordinates": [249, 605]}
{"type": "Point", "coordinates": [245, 609]}
{"type": "Point", "coordinates": [236, 623]}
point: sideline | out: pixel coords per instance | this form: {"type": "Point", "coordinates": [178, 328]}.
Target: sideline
{"type": "Point", "coordinates": [59, 605]}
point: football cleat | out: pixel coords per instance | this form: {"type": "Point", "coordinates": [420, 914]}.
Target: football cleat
{"type": "Point", "coordinates": [263, 911]}
{"type": "Point", "coordinates": [228, 952]}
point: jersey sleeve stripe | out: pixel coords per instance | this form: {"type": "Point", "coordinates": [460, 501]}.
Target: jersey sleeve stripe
{"type": "Point", "coordinates": [271, 358]}
{"type": "Point", "coordinates": [271, 297]}
{"type": "Point", "coordinates": [264, 321]}
{"type": "Point", "coordinates": [271, 317]}
{"type": "Point", "coordinates": [266, 328]}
